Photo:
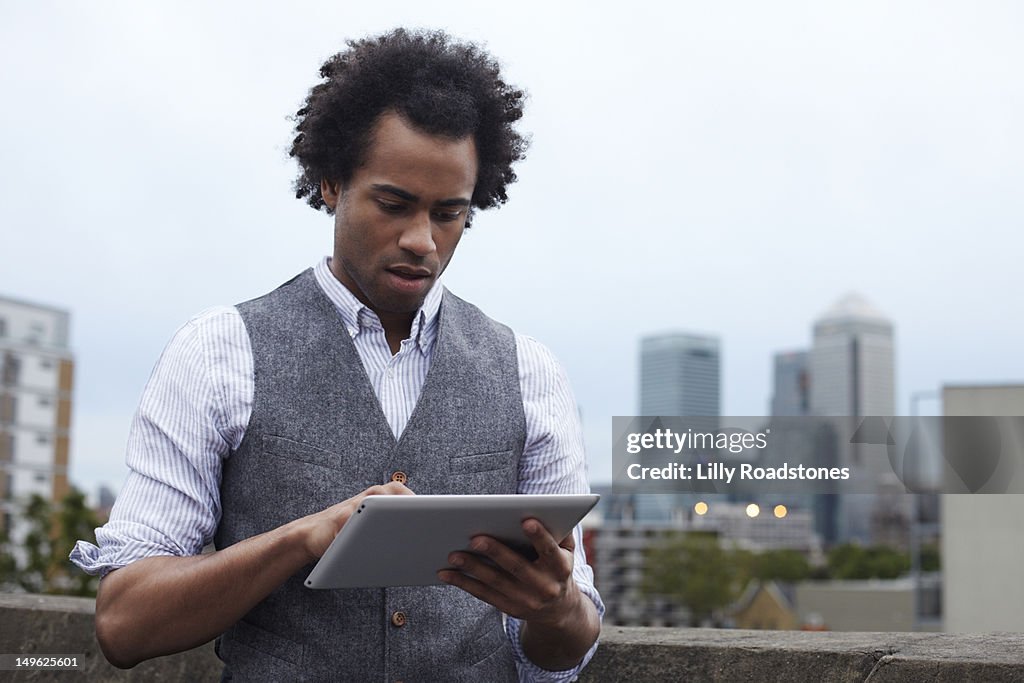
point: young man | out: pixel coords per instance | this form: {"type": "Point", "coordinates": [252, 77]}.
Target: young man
{"type": "Point", "coordinates": [361, 376]}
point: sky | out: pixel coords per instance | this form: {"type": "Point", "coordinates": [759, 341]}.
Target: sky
{"type": "Point", "coordinates": [723, 168]}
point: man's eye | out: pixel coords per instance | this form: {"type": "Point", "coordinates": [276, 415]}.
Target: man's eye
{"type": "Point", "coordinates": [447, 216]}
{"type": "Point", "coordinates": [389, 207]}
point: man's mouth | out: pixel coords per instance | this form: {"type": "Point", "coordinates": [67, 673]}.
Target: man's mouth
{"type": "Point", "coordinates": [409, 272]}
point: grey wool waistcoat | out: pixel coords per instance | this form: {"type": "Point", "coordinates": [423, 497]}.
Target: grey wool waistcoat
{"type": "Point", "coordinates": [317, 436]}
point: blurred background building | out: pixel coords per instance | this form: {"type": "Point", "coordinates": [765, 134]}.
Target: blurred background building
{"type": "Point", "coordinates": [852, 373]}
{"type": "Point", "coordinates": [848, 371]}
{"type": "Point", "coordinates": [680, 374]}
{"type": "Point", "coordinates": [36, 369]}
{"type": "Point", "coordinates": [791, 385]}
{"type": "Point", "coordinates": [851, 361]}
{"type": "Point", "coordinates": [982, 553]}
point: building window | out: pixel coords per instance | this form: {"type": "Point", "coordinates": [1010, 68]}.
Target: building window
{"type": "Point", "coordinates": [46, 364]}
{"type": "Point", "coordinates": [6, 447]}
{"type": "Point", "coordinates": [44, 401]}
{"type": "Point", "coordinates": [8, 408]}
{"type": "Point", "coordinates": [40, 478]}
{"type": "Point", "coordinates": [3, 327]}
{"type": "Point", "coordinates": [11, 370]}
{"type": "Point", "coordinates": [35, 334]}
{"type": "Point", "coordinates": [42, 439]}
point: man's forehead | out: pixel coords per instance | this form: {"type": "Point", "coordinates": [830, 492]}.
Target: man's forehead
{"type": "Point", "coordinates": [402, 156]}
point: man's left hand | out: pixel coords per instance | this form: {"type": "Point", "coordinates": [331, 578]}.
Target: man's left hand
{"type": "Point", "coordinates": [560, 623]}
{"type": "Point", "coordinates": [540, 591]}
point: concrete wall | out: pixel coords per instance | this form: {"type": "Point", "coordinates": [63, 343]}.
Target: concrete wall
{"type": "Point", "coordinates": [858, 605]}
{"type": "Point", "coordinates": [33, 624]}
{"type": "Point", "coordinates": [52, 625]}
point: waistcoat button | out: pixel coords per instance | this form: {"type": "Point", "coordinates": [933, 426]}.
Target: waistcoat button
{"type": "Point", "coordinates": [398, 619]}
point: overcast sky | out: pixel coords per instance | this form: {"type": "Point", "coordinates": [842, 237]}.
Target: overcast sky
{"type": "Point", "coordinates": [723, 168]}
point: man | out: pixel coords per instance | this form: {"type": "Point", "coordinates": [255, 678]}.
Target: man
{"type": "Point", "coordinates": [356, 378]}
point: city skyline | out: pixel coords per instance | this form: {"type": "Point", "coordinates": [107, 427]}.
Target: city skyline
{"type": "Point", "coordinates": [725, 169]}
{"type": "Point", "coordinates": [793, 360]}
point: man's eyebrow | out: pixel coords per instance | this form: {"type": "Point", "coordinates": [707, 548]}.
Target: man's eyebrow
{"type": "Point", "coordinates": [410, 197]}
{"type": "Point", "coordinates": [454, 202]}
{"type": "Point", "coordinates": [397, 191]}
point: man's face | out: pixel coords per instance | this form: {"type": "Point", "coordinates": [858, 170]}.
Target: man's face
{"type": "Point", "coordinates": [398, 220]}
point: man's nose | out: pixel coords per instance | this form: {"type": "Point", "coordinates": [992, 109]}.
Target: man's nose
{"type": "Point", "coordinates": [418, 235]}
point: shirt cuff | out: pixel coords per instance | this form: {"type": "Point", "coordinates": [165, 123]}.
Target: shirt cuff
{"type": "Point", "coordinates": [101, 561]}
{"type": "Point", "coordinates": [88, 558]}
{"type": "Point", "coordinates": [530, 672]}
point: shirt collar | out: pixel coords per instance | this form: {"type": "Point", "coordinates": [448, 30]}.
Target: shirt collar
{"type": "Point", "coordinates": [357, 317]}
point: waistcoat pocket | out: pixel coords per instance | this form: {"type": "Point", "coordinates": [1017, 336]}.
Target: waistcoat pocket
{"type": "Point", "coordinates": [480, 462]}
{"type": "Point", "coordinates": [284, 447]}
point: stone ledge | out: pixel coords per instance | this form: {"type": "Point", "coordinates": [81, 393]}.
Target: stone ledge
{"type": "Point", "coordinates": [38, 624]}
{"type": "Point", "coordinates": [51, 624]}
{"type": "Point", "coordinates": [667, 654]}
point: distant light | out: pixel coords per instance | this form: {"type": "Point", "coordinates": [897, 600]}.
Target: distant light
{"type": "Point", "coordinates": [780, 511]}
{"type": "Point", "coordinates": [753, 510]}
{"type": "Point", "coordinates": [701, 508]}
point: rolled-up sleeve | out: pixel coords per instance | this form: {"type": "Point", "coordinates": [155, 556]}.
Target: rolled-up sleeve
{"type": "Point", "coordinates": [192, 413]}
{"type": "Point", "coordinates": [553, 462]}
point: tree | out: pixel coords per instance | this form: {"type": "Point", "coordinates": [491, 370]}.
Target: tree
{"type": "Point", "coordinates": [780, 565]}
{"type": "Point", "coordinates": [40, 563]}
{"type": "Point", "coordinates": [8, 565]}
{"type": "Point", "coordinates": [887, 563]}
{"type": "Point", "coordinates": [848, 561]}
{"type": "Point", "coordinates": [695, 571]}
{"type": "Point", "coordinates": [851, 561]}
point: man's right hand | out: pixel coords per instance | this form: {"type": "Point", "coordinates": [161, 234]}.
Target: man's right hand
{"type": "Point", "coordinates": [324, 526]}
{"type": "Point", "coordinates": [164, 604]}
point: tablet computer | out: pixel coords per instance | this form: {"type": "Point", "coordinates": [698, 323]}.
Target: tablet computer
{"type": "Point", "coordinates": [406, 540]}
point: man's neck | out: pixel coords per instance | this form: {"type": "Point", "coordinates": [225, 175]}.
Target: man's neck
{"type": "Point", "coordinates": [397, 327]}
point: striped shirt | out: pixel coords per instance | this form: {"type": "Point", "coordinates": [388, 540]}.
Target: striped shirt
{"type": "Point", "coordinates": [197, 403]}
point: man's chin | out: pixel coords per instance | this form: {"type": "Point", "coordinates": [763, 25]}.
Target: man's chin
{"type": "Point", "coordinates": [398, 306]}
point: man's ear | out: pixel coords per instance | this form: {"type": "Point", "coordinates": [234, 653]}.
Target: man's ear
{"type": "Point", "coordinates": [330, 191]}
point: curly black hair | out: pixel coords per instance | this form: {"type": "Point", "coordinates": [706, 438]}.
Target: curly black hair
{"type": "Point", "coordinates": [440, 86]}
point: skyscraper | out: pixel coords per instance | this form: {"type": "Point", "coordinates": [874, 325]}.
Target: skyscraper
{"type": "Point", "coordinates": [792, 385]}
{"type": "Point", "coordinates": [35, 406]}
{"type": "Point", "coordinates": [680, 374]}
{"type": "Point", "coordinates": [852, 367]}
{"type": "Point", "coordinates": [794, 440]}
{"type": "Point", "coordinates": [852, 374]}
